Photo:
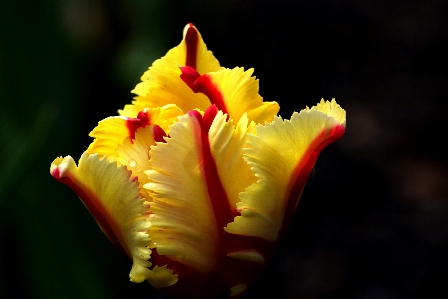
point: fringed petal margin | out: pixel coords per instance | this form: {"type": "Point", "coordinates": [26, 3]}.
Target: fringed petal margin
{"type": "Point", "coordinates": [168, 88]}
{"type": "Point", "coordinates": [234, 91]}
{"type": "Point", "coordinates": [282, 155]}
{"type": "Point", "coordinates": [113, 131]}
{"type": "Point", "coordinates": [195, 182]}
{"type": "Point", "coordinates": [108, 134]}
{"type": "Point", "coordinates": [113, 198]}
{"type": "Point", "coordinates": [227, 143]}
{"type": "Point", "coordinates": [136, 155]}
{"type": "Point", "coordinates": [183, 223]}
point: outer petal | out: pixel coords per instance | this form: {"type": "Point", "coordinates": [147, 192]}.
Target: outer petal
{"type": "Point", "coordinates": [183, 222]}
{"type": "Point", "coordinates": [282, 155]}
{"type": "Point", "coordinates": [191, 52]}
{"type": "Point", "coordinates": [162, 85]}
{"type": "Point", "coordinates": [112, 196]}
{"type": "Point", "coordinates": [195, 183]}
{"type": "Point", "coordinates": [233, 91]}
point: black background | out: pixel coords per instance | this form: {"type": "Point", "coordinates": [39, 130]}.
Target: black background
{"type": "Point", "coordinates": [372, 222]}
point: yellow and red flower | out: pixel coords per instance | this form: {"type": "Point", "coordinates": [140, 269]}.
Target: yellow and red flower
{"type": "Point", "coordinates": [197, 180]}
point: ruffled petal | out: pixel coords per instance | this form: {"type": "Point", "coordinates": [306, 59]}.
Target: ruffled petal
{"type": "Point", "coordinates": [183, 222]}
{"type": "Point", "coordinates": [161, 83]}
{"type": "Point", "coordinates": [168, 89]}
{"type": "Point", "coordinates": [233, 91]}
{"type": "Point", "coordinates": [201, 170]}
{"type": "Point", "coordinates": [227, 143]}
{"type": "Point", "coordinates": [113, 131]}
{"type": "Point", "coordinates": [282, 155]}
{"type": "Point", "coordinates": [108, 134]}
{"type": "Point", "coordinates": [195, 182]}
{"type": "Point", "coordinates": [113, 198]}
{"type": "Point", "coordinates": [135, 155]}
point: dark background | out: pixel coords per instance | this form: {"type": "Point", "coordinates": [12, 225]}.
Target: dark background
{"type": "Point", "coordinates": [372, 222]}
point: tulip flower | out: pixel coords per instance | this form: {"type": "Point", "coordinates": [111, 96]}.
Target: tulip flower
{"type": "Point", "coordinates": [198, 179]}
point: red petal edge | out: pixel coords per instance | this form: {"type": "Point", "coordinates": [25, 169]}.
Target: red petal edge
{"type": "Point", "coordinates": [302, 170]}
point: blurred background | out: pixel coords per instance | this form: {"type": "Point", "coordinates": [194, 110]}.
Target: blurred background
{"type": "Point", "coordinates": [372, 222]}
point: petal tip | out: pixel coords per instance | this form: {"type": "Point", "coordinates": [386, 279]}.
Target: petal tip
{"type": "Point", "coordinates": [188, 28]}
{"type": "Point", "coordinates": [60, 167]}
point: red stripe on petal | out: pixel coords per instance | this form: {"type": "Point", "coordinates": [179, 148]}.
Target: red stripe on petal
{"type": "Point", "coordinates": [303, 169]}
{"type": "Point", "coordinates": [142, 120]}
{"type": "Point", "coordinates": [191, 39]}
{"type": "Point", "coordinates": [205, 85]}
{"type": "Point", "coordinates": [158, 133]}
{"type": "Point", "coordinates": [220, 203]}
{"type": "Point", "coordinates": [209, 116]}
{"type": "Point", "coordinates": [189, 76]}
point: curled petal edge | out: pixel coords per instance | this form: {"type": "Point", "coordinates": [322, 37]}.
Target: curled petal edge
{"type": "Point", "coordinates": [112, 197]}
{"type": "Point", "coordinates": [233, 91]}
{"type": "Point", "coordinates": [282, 154]}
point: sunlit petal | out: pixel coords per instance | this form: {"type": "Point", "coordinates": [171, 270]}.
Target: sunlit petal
{"type": "Point", "coordinates": [114, 130]}
{"type": "Point", "coordinates": [135, 155]}
{"type": "Point", "coordinates": [195, 183]}
{"type": "Point", "coordinates": [282, 155]}
{"type": "Point", "coordinates": [191, 52]}
{"type": "Point", "coordinates": [227, 143]}
{"type": "Point", "coordinates": [183, 222]}
{"type": "Point", "coordinates": [161, 83]}
{"type": "Point", "coordinates": [112, 197]}
{"type": "Point", "coordinates": [234, 91]}
{"type": "Point", "coordinates": [109, 132]}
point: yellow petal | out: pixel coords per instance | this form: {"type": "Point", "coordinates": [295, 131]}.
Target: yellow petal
{"type": "Point", "coordinates": [108, 134]}
{"type": "Point", "coordinates": [161, 83]}
{"type": "Point", "coordinates": [282, 155]}
{"type": "Point", "coordinates": [112, 197]}
{"type": "Point", "coordinates": [195, 182]}
{"type": "Point", "coordinates": [183, 223]}
{"type": "Point", "coordinates": [233, 91]}
{"type": "Point", "coordinates": [113, 131]}
{"type": "Point", "coordinates": [227, 143]}
{"type": "Point", "coordinates": [167, 89]}
{"type": "Point", "coordinates": [193, 52]}
{"type": "Point", "coordinates": [135, 155]}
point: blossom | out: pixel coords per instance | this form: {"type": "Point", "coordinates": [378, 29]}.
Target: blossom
{"type": "Point", "coordinates": [197, 179]}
